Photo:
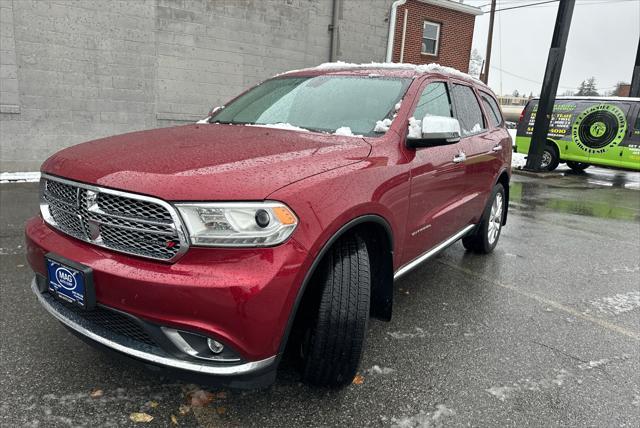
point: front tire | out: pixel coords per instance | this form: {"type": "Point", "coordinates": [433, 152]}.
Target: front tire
{"type": "Point", "coordinates": [577, 166]}
{"type": "Point", "coordinates": [334, 339]}
{"type": "Point", "coordinates": [550, 158]}
{"type": "Point", "coordinates": [485, 236]}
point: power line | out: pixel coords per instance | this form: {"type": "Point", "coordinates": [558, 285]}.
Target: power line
{"type": "Point", "coordinates": [547, 3]}
{"type": "Point", "coordinates": [539, 82]}
{"type": "Point", "coordinates": [527, 5]}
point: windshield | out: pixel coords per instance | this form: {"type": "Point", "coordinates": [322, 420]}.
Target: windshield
{"type": "Point", "coordinates": [321, 103]}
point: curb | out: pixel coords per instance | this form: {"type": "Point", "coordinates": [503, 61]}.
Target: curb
{"type": "Point", "coordinates": [531, 174]}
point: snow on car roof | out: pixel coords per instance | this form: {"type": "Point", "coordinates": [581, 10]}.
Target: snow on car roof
{"type": "Point", "coordinates": [389, 66]}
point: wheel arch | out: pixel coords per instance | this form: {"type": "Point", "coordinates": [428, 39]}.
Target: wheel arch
{"type": "Point", "coordinates": [504, 179]}
{"type": "Point", "coordinates": [380, 236]}
{"type": "Point", "coordinates": [553, 143]}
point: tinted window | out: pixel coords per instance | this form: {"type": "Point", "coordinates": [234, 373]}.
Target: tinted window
{"type": "Point", "coordinates": [468, 110]}
{"type": "Point", "coordinates": [434, 101]}
{"type": "Point", "coordinates": [492, 109]}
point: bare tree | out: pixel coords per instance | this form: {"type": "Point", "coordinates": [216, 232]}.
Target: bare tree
{"type": "Point", "coordinates": [475, 63]}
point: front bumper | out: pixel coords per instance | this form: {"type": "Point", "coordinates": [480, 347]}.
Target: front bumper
{"type": "Point", "coordinates": [240, 297]}
{"type": "Point", "coordinates": [139, 350]}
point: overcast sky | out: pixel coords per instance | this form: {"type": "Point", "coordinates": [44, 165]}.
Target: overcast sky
{"type": "Point", "coordinates": [602, 43]}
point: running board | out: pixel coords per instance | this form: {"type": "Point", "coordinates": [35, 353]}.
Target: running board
{"type": "Point", "coordinates": [432, 252]}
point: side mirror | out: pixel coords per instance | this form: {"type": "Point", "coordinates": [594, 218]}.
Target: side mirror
{"type": "Point", "coordinates": [433, 131]}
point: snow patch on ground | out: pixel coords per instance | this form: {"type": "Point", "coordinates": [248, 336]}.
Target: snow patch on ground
{"type": "Point", "coordinates": [345, 131]}
{"type": "Point", "coordinates": [503, 393]}
{"type": "Point", "coordinates": [602, 362]}
{"type": "Point", "coordinates": [18, 177]}
{"type": "Point", "coordinates": [423, 420]}
{"type": "Point", "coordinates": [203, 121]}
{"type": "Point", "coordinates": [380, 370]}
{"type": "Point", "coordinates": [518, 160]}
{"type": "Point", "coordinates": [286, 126]}
{"type": "Point", "coordinates": [419, 333]}
{"type": "Point", "coordinates": [618, 304]}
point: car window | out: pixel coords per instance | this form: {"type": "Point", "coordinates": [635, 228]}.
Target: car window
{"type": "Point", "coordinates": [492, 109]}
{"type": "Point", "coordinates": [318, 103]}
{"type": "Point", "coordinates": [468, 110]}
{"type": "Point", "coordinates": [434, 101]}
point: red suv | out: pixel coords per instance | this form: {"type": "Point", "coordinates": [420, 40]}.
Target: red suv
{"type": "Point", "coordinates": [282, 220]}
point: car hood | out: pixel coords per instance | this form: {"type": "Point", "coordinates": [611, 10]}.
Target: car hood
{"type": "Point", "coordinates": [206, 162]}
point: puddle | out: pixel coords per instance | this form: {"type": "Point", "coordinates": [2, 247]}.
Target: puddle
{"type": "Point", "coordinates": [531, 197]}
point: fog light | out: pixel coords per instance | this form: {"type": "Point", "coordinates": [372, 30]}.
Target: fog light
{"type": "Point", "coordinates": [215, 347]}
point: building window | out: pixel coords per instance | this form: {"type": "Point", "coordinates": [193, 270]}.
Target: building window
{"type": "Point", "coordinates": [430, 38]}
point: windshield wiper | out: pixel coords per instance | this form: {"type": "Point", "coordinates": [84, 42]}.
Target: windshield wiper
{"type": "Point", "coordinates": [230, 122]}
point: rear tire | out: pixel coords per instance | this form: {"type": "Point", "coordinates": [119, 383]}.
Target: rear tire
{"type": "Point", "coordinates": [334, 339]}
{"type": "Point", "coordinates": [577, 166]}
{"type": "Point", "coordinates": [484, 237]}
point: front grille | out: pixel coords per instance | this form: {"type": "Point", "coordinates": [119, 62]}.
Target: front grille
{"type": "Point", "coordinates": [112, 321]}
{"type": "Point", "coordinates": [124, 222]}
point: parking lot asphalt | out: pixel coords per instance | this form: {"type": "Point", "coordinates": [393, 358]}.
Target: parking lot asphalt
{"type": "Point", "coordinates": [543, 332]}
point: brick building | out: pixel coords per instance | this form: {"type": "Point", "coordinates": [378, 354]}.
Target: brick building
{"type": "Point", "coordinates": [439, 31]}
{"type": "Point", "coordinates": [72, 71]}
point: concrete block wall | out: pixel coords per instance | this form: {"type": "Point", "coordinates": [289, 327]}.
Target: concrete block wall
{"type": "Point", "coordinates": [72, 71]}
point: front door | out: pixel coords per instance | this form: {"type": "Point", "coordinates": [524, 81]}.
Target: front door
{"type": "Point", "coordinates": [437, 180]}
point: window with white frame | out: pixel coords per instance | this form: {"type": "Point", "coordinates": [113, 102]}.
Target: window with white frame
{"type": "Point", "coordinates": [430, 38]}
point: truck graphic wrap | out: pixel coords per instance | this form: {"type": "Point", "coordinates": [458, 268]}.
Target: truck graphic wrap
{"type": "Point", "coordinates": [598, 131]}
{"type": "Point", "coordinates": [599, 128]}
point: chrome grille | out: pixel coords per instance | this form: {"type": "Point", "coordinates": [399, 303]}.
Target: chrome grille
{"type": "Point", "coordinates": [129, 223]}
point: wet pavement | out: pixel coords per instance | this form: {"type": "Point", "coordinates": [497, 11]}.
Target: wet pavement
{"type": "Point", "coordinates": [543, 332]}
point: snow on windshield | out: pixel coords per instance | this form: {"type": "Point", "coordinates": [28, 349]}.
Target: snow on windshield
{"type": "Point", "coordinates": [286, 126]}
{"type": "Point", "coordinates": [345, 131]}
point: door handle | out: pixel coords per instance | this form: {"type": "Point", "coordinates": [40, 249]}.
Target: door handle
{"type": "Point", "coordinates": [497, 148]}
{"type": "Point", "coordinates": [460, 157]}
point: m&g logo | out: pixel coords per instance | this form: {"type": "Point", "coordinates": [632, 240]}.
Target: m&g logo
{"type": "Point", "coordinates": [65, 278]}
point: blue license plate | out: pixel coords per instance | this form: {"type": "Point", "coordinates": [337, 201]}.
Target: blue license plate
{"type": "Point", "coordinates": [66, 282]}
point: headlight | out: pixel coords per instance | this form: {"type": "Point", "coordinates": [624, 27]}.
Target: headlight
{"type": "Point", "coordinates": [238, 224]}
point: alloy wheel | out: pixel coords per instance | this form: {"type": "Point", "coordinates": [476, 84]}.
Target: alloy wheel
{"type": "Point", "coordinates": [495, 219]}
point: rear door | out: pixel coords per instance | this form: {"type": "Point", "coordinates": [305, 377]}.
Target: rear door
{"type": "Point", "coordinates": [437, 179]}
{"type": "Point", "coordinates": [477, 144]}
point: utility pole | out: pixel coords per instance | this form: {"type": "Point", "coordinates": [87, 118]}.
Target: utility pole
{"type": "Point", "coordinates": [635, 78]}
{"type": "Point", "coordinates": [550, 84]}
{"type": "Point", "coordinates": [485, 76]}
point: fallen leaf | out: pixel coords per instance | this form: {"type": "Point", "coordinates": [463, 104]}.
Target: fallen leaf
{"type": "Point", "coordinates": [221, 410]}
{"type": "Point", "coordinates": [153, 404]}
{"type": "Point", "coordinates": [174, 420]}
{"type": "Point", "coordinates": [96, 393]}
{"type": "Point", "coordinates": [184, 409]}
{"type": "Point", "coordinates": [201, 398]}
{"type": "Point", "coordinates": [140, 417]}
{"type": "Point", "coordinates": [358, 380]}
